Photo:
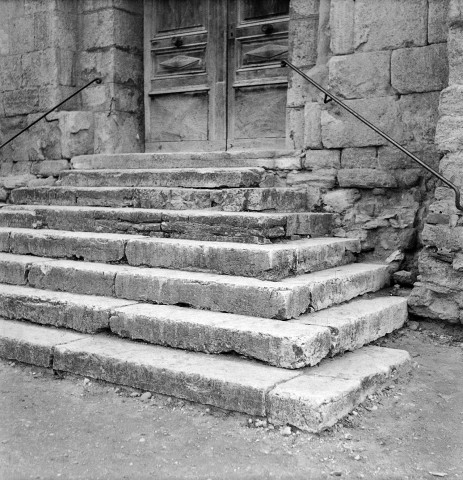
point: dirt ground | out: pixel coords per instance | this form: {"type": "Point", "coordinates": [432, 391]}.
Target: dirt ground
{"type": "Point", "coordinates": [69, 427]}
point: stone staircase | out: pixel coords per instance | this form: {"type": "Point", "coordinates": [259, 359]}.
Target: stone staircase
{"type": "Point", "coordinates": [196, 281]}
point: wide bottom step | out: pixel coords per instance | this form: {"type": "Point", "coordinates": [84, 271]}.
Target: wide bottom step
{"type": "Point", "coordinates": [311, 399]}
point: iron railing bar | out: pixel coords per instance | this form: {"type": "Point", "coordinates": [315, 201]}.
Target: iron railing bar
{"type": "Point", "coordinates": [378, 131]}
{"type": "Point", "coordinates": [97, 80]}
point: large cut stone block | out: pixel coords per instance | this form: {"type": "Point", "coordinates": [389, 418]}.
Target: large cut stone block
{"type": "Point", "coordinates": [312, 125]}
{"type": "Point", "coordinates": [437, 21]}
{"type": "Point", "coordinates": [366, 178]}
{"type": "Point", "coordinates": [15, 268]}
{"type": "Point", "coordinates": [233, 384]}
{"type": "Point", "coordinates": [420, 69]}
{"type": "Point", "coordinates": [342, 26]}
{"type": "Point", "coordinates": [281, 344]}
{"type": "Point", "coordinates": [320, 397]}
{"type": "Point", "coordinates": [361, 75]}
{"type": "Point", "coordinates": [390, 24]}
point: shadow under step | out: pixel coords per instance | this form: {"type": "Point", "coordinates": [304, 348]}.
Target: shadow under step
{"type": "Point", "coordinates": [311, 399]}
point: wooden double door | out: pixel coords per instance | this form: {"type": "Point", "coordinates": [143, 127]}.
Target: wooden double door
{"type": "Point", "coordinates": [213, 75]}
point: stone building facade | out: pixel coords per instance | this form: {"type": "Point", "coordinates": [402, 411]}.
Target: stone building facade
{"type": "Point", "coordinates": [388, 59]}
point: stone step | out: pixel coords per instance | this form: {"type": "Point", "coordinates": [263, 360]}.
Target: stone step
{"type": "Point", "coordinates": [267, 262]}
{"type": "Point", "coordinates": [284, 160]}
{"type": "Point", "coordinates": [285, 299]}
{"type": "Point", "coordinates": [292, 344]}
{"type": "Point", "coordinates": [246, 227]}
{"type": "Point", "coordinates": [170, 177]}
{"type": "Point", "coordinates": [232, 199]}
{"type": "Point", "coordinates": [311, 399]}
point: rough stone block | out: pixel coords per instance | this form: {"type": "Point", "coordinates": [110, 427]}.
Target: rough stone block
{"type": "Point", "coordinates": [119, 133]}
{"type": "Point", "coordinates": [295, 127]}
{"type": "Point", "coordinates": [19, 42]}
{"type": "Point", "coordinates": [451, 167]}
{"type": "Point", "coordinates": [108, 27]}
{"type": "Point", "coordinates": [14, 268]}
{"type": "Point", "coordinates": [304, 8]}
{"type": "Point", "coordinates": [321, 159]}
{"type": "Point", "coordinates": [361, 75]}
{"type": "Point", "coordinates": [451, 101]}
{"type": "Point", "coordinates": [303, 41]}
{"type": "Point", "coordinates": [49, 167]}
{"type": "Point", "coordinates": [10, 72]}
{"type": "Point", "coordinates": [455, 52]}
{"type": "Point", "coordinates": [437, 21]}
{"type": "Point", "coordinates": [366, 178]}
{"type": "Point", "coordinates": [429, 301]}
{"type": "Point", "coordinates": [324, 178]}
{"type": "Point", "coordinates": [21, 102]}
{"type": "Point", "coordinates": [449, 134]}
{"type": "Point", "coordinates": [359, 157]}
{"type": "Point", "coordinates": [342, 26]}
{"type": "Point", "coordinates": [390, 24]}
{"type": "Point", "coordinates": [420, 69]}
{"type": "Point", "coordinates": [312, 125]}
{"type": "Point", "coordinates": [341, 200]}
{"type": "Point", "coordinates": [77, 133]}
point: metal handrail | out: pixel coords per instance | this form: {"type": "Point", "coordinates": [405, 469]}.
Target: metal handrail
{"type": "Point", "coordinates": [96, 80]}
{"type": "Point", "coordinates": [329, 96]}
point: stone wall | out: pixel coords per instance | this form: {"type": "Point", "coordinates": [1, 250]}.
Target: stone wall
{"type": "Point", "coordinates": [49, 49]}
{"type": "Point", "coordinates": [388, 60]}
{"type": "Point", "coordinates": [439, 292]}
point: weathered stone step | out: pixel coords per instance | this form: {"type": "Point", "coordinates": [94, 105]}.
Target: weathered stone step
{"type": "Point", "coordinates": [311, 399]}
{"type": "Point", "coordinates": [267, 262]}
{"type": "Point", "coordinates": [247, 227]}
{"type": "Point", "coordinates": [258, 158]}
{"type": "Point", "coordinates": [293, 344]}
{"type": "Point", "coordinates": [285, 299]}
{"type": "Point", "coordinates": [231, 199]}
{"type": "Point", "coordinates": [173, 177]}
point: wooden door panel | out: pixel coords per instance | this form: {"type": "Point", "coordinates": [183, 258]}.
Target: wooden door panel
{"type": "Point", "coordinates": [260, 112]}
{"type": "Point", "coordinates": [183, 54]}
{"type": "Point", "coordinates": [257, 83]}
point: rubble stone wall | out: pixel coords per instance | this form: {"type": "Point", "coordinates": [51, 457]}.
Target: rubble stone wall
{"type": "Point", "coordinates": [439, 292]}
{"type": "Point", "coordinates": [387, 59]}
{"type": "Point", "coordinates": [49, 49]}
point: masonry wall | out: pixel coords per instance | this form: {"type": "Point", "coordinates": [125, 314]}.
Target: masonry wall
{"type": "Point", "coordinates": [439, 292]}
{"type": "Point", "coordinates": [388, 60]}
{"type": "Point", "coordinates": [49, 49]}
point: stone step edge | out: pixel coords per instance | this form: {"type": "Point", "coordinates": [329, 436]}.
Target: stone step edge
{"type": "Point", "coordinates": [283, 300]}
{"type": "Point", "coordinates": [311, 399]}
{"type": "Point", "coordinates": [290, 345]}
{"type": "Point", "coordinates": [278, 160]}
{"type": "Point", "coordinates": [267, 262]}
{"type": "Point", "coordinates": [259, 226]}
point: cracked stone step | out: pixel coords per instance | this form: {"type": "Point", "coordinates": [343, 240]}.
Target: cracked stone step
{"type": "Point", "coordinates": [267, 262]}
{"type": "Point", "coordinates": [84, 313]}
{"type": "Point", "coordinates": [311, 399]}
{"type": "Point", "coordinates": [231, 199]}
{"type": "Point", "coordinates": [285, 299]}
{"type": "Point", "coordinates": [277, 343]}
{"type": "Point", "coordinates": [359, 321]}
{"type": "Point", "coordinates": [270, 159]}
{"type": "Point", "coordinates": [245, 227]}
{"type": "Point", "coordinates": [173, 177]}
